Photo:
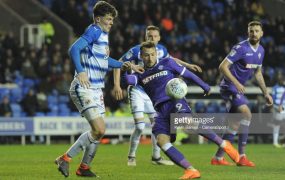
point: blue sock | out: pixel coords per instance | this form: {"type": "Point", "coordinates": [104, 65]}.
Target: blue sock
{"type": "Point", "coordinates": [176, 156]}
{"type": "Point", "coordinates": [243, 135]}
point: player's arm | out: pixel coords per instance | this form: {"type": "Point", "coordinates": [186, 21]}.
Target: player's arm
{"type": "Point", "coordinates": [182, 71]}
{"type": "Point", "coordinates": [225, 70]}
{"type": "Point", "coordinates": [280, 108]}
{"type": "Point", "coordinates": [192, 67]}
{"type": "Point", "coordinates": [262, 86]}
{"type": "Point", "coordinates": [117, 83]}
{"type": "Point", "coordinates": [74, 53]}
{"type": "Point", "coordinates": [131, 79]}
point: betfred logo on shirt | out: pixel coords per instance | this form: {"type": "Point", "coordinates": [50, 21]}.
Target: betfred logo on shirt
{"type": "Point", "coordinates": [251, 66]}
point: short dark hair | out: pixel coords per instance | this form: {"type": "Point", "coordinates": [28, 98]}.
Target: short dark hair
{"type": "Point", "coordinates": [148, 28]}
{"type": "Point", "coordinates": [147, 44]}
{"type": "Point", "coordinates": [254, 23]}
{"type": "Point", "coordinates": [102, 8]}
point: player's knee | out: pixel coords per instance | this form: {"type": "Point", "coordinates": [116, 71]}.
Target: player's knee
{"type": "Point", "coordinates": [140, 126]}
{"type": "Point", "coordinates": [98, 134]}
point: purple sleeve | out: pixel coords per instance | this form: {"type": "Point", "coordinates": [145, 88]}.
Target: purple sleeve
{"type": "Point", "coordinates": [235, 54]}
{"type": "Point", "coordinates": [189, 75]}
{"type": "Point", "coordinates": [182, 71]}
{"type": "Point", "coordinates": [282, 99]}
{"type": "Point", "coordinates": [131, 79]}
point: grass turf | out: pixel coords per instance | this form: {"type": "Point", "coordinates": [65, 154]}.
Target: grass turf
{"type": "Point", "coordinates": [36, 162]}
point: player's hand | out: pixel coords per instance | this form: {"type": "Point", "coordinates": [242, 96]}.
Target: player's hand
{"type": "Point", "coordinates": [280, 109]}
{"type": "Point", "coordinates": [83, 80]}
{"type": "Point", "coordinates": [269, 100]}
{"type": "Point", "coordinates": [240, 88]}
{"type": "Point", "coordinates": [195, 68]}
{"type": "Point", "coordinates": [126, 66]}
{"type": "Point", "coordinates": [207, 92]}
{"type": "Point", "coordinates": [117, 91]}
{"type": "Point", "coordinates": [137, 68]}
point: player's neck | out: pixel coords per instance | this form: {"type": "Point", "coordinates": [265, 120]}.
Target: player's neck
{"type": "Point", "coordinates": [253, 44]}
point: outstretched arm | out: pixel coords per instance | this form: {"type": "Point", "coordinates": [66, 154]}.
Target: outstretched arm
{"type": "Point", "coordinates": [262, 86]}
{"type": "Point", "coordinates": [192, 67]}
{"type": "Point", "coordinates": [117, 84]}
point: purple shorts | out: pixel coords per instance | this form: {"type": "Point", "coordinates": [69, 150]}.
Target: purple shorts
{"type": "Point", "coordinates": [162, 121]}
{"type": "Point", "coordinates": [232, 99]}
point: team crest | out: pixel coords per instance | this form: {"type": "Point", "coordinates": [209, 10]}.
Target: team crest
{"type": "Point", "coordinates": [129, 55]}
{"type": "Point", "coordinates": [87, 101]}
{"type": "Point", "coordinates": [233, 52]}
{"type": "Point", "coordinates": [259, 55]}
{"type": "Point", "coordinates": [160, 67]}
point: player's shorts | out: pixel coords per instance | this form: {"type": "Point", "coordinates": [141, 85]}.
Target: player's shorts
{"type": "Point", "coordinates": [85, 99]}
{"type": "Point", "coordinates": [139, 101]}
{"type": "Point", "coordinates": [232, 99]}
{"type": "Point", "coordinates": [162, 121]}
{"type": "Point", "coordinates": [278, 116]}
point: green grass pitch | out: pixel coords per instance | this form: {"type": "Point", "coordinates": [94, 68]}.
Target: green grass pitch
{"type": "Point", "coordinates": [36, 162]}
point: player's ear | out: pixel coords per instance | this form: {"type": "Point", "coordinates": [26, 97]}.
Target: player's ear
{"type": "Point", "coordinates": [97, 19]}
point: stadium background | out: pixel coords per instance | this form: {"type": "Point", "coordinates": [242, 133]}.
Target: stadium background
{"type": "Point", "coordinates": [35, 75]}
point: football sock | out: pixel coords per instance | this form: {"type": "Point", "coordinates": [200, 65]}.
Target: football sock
{"type": "Point", "coordinates": [276, 129]}
{"type": "Point", "coordinates": [243, 135]}
{"type": "Point", "coordinates": [176, 156]}
{"type": "Point", "coordinates": [155, 147]}
{"type": "Point", "coordinates": [135, 138]}
{"type": "Point", "coordinates": [81, 143]}
{"type": "Point", "coordinates": [90, 152]}
{"type": "Point", "coordinates": [229, 135]}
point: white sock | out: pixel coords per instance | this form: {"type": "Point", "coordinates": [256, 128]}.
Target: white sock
{"type": "Point", "coordinates": [276, 129]}
{"type": "Point", "coordinates": [90, 152]}
{"type": "Point", "coordinates": [135, 138]}
{"type": "Point", "coordinates": [80, 144]}
{"type": "Point", "coordinates": [155, 147]}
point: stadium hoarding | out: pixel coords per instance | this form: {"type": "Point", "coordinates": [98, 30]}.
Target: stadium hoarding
{"type": "Point", "coordinates": [16, 126]}
{"type": "Point", "coordinates": [219, 122]}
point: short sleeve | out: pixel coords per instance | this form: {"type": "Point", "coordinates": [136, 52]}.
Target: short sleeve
{"type": "Point", "coordinates": [130, 55]}
{"type": "Point", "coordinates": [91, 34]}
{"type": "Point", "coordinates": [236, 54]}
{"type": "Point", "coordinates": [165, 53]}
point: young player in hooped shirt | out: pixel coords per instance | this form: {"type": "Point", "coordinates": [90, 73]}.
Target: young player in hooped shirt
{"type": "Point", "coordinates": [154, 81]}
{"type": "Point", "coordinates": [244, 60]}
{"type": "Point", "coordinates": [90, 55]}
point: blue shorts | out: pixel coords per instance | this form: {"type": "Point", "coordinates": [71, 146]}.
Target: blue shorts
{"type": "Point", "coordinates": [232, 99]}
{"type": "Point", "coordinates": [162, 121]}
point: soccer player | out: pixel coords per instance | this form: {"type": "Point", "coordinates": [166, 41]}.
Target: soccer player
{"type": "Point", "coordinates": [139, 101]}
{"type": "Point", "coordinates": [90, 55]}
{"type": "Point", "coordinates": [244, 60]}
{"type": "Point", "coordinates": [153, 81]}
{"type": "Point", "coordinates": [277, 92]}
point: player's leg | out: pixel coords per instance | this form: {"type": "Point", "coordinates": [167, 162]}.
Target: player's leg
{"type": "Point", "coordinates": [136, 103]}
{"type": "Point", "coordinates": [243, 135]}
{"type": "Point", "coordinates": [161, 130]}
{"type": "Point", "coordinates": [278, 117]}
{"type": "Point", "coordinates": [85, 101]}
{"type": "Point", "coordinates": [156, 156]}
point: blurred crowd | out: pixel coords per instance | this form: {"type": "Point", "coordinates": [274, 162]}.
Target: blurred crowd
{"type": "Point", "coordinates": [199, 32]}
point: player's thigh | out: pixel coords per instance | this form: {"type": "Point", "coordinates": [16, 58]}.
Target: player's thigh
{"type": "Point", "coordinates": [136, 101]}
{"type": "Point", "coordinates": [89, 102]}
{"type": "Point", "coordinates": [245, 111]}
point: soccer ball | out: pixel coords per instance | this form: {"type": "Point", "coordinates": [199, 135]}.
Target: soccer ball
{"type": "Point", "coordinates": [176, 88]}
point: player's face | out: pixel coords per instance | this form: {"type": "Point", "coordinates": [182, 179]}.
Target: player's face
{"type": "Point", "coordinates": [152, 35]}
{"type": "Point", "coordinates": [149, 57]}
{"type": "Point", "coordinates": [254, 34]}
{"type": "Point", "coordinates": [105, 22]}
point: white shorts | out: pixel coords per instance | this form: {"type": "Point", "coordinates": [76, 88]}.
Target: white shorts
{"type": "Point", "coordinates": [139, 100]}
{"type": "Point", "coordinates": [85, 99]}
{"type": "Point", "coordinates": [279, 116]}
